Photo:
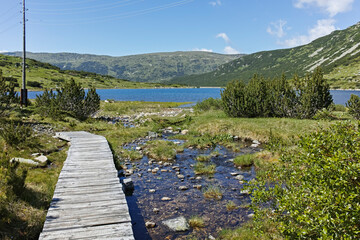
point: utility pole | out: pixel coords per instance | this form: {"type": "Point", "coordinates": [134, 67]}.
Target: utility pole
{"type": "Point", "coordinates": [23, 94]}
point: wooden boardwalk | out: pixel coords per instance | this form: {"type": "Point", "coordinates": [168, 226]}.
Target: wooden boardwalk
{"type": "Point", "coordinates": [88, 201]}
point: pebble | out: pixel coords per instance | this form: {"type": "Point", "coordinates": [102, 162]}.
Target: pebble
{"type": "Point", "coordinates": [164, 170]}
{"type": "Point", "coordinates": [156, 210]}
{"type": "Point", "coordinates": [234, 174]}
{"type": "Point", "coordinates": [180, 176]}
{"type": "Point", "coordinates": [152, 190]}
{"type": "Point", "coordinates": [198, 186]}
{"type": "Point", "coordinates": [165, 199]}
{"type": "Point", "coordinates": [198, 178]}
{"type": "Point", "coordinates": [183, 188]}
{"type": "Point", "coordinates": [239, 177]}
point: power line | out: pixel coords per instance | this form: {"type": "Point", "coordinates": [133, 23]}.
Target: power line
{"type": "Point", "coordinates": [113, 17]}
{"type": "Point", "coordinates": [10, 27]}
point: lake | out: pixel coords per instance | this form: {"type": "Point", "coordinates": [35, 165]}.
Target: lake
{"type": "Point", "coordinates": [182, 94]}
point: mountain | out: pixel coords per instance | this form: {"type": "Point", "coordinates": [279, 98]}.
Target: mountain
{"type": "Point", "coordinates": [154, 67]}
{"type": "Point", "coordinates": [43, 75]}
{"type": "Point", "coordinates": [337, 53]}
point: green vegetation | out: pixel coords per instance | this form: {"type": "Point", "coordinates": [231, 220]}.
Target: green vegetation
{"type": "Point", "coordinates": [314, 191]}
{"type": "Point", "coordinates": [342, 71]}
{"type": "Point", "coordinates": [230, 205]}
{"type": "Point", "coordinates": [202, 168]}
{"type": "Point", "coordinates": [196, 222]}
{"type": "Point", "coordinates": [245, 160]}
{"type": "Point", "coordinates": [69, 99]}
{"type": "Point", "coordinates": [129, 154]}
{"type": "Point", "coordinates": [154, 67]}
{"type": "Point", "coordinates": [45, 76]}
{"type": "Point", "coordinates": [7, 95]}
{"type": "Point", "coordinates": [213, 192]}
{"type": "Point", "coordinates": [276, 98]}
{"type": "Point", "coordinates": [208, 104]}
{"type": "Point", "coordinates": [354, 106]}
{"type": "Point", "coordinates": [161, 150]}
{"type": "Point", "coordinates": [203, 158]}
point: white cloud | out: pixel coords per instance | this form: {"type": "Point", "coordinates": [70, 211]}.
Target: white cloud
{"type": "Point", "coordinates": [332, 7]}
{"type": "Point", "coordinates": [4, 51]}
{"type": "Point", "coordinates": [224, 36]}
{"type": "Point", "coordinates": [322, 28]}
{"type": "Point", "coordinates": [202, 50]}
{"type": "Point", "coordinates": [277, 28]}
{"type": "Point", "coordinates": [215, 3]}
{"type": "Point", "coordinates": [230, 50]}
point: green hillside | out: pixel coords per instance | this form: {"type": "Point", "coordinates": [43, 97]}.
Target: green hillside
{"type": "Point", "coordinates": [154, 67]}
{"type": "Point", "coordinates": [43, 75]}
{"type": "Point", "coordinates": [337, 53]}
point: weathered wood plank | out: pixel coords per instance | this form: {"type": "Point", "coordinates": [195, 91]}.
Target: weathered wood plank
{"type": "Point", "coordinates": [88, 201]}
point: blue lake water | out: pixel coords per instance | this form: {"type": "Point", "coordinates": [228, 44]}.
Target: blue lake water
{"type": "Point", "coordinates": [182, 94]}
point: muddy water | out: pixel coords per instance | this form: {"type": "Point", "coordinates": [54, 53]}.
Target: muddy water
{"type": "Point", "coordinates": [190, 202]}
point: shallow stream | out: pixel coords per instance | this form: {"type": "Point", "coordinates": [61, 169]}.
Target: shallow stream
{"type": "Point", "coordinates": [146, 203]}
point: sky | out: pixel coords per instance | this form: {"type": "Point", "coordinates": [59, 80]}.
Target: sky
{"type": "Point", "coordinates": [127, 27]}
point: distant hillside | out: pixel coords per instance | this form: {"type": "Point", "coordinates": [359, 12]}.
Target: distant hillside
{"type": "Point", "coordinates": [337, 53]}
{"type": "Point", "coordinates": [43, 75]}
{"type": "Point", "coordinates": [154, 67]}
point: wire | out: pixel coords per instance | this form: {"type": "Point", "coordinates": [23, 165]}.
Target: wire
{"type": "Point", "coordinates": [9, 18]}
{"type": "Point", "coordinates": [62, 3]}
{"type": "Point", "coordinates": [7, 11]}
{"type": "Point", "coordinates": [9, 28]}
{"type": "Point", "coordinates": [90, 11]}
{"type": "Point", "coordinates": [119, 16]}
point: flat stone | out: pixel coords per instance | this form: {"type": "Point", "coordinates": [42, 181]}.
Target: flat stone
{"type": "Point", "coordinates": [128, 184]}
{"type": "Point", "coordinates": [152, 190]}
{"type": "Point", "coordinates": [35, 154]}
{"type": "Point", "coordinates": [165, 199]}
{"type": "Point", "coordinates": [180, 176]}
{"type": "Point", "coordinates": [156, 210]}
{"type": "Point", "coordinates": [234, 173]}
{"type": "Point", "coordinates": [197, 186]}
{"type": "Point", "coordinates": [183, 188]}
{"type": "Point", "coordinates": [41, 158]}
{"type": "Point", "coordinates": [23, 160]}
{"type": "Point", "coordinates": [184, 132]}
{"type": "Point", "coordinates": [239, 177]}
{"type": "Point", "coordinates": [177, 224]}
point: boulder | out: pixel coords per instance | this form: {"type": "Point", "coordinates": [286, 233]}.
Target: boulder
{"type": "Point", "coordinates": [23, 160]}
{"type": "Point", "coordinates": [128, 184]}
{"type": "Point", "coordinates": [177, 224]}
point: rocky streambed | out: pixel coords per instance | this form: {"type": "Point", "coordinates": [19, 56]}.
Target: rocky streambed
{"type": "Point", "coordinates": [170, 191]}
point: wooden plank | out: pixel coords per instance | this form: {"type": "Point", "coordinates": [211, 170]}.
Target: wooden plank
{"type": "Point", "coordinates": [88, 201]}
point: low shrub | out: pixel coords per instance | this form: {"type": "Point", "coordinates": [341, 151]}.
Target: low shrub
{"type": "Point", "coordinates": [209, 104]}
{"type": "Point", "coordinates": [15, 134]}
{"type": "Point", "coordinates": [354, 106]}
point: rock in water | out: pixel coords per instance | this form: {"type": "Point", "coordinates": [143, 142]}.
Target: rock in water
{"type": "Point", "coordinates": [150, 224]}
{"type": "Point", "coordinates": [128, 184]}
{"type": "Point", "coordinates": [177, 224]}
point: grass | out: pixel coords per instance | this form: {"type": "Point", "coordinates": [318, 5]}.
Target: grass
{"type": "Point", "coordinates": [161, 150]}
{"type": "Point", "coordinates": [196, 222]}
{"type": "Point", "coordinates": [213, 192]}
{"type": "Point", "coordinates": [230, 205]}
{"type": "Point", "coordinates": [203, 158]}
{"type": "Point", "coordinates": [129, 154]}
{"type": "Point", "coordinates": [201, 168]}
{"type": "Point", "coordinates": [245, 160]}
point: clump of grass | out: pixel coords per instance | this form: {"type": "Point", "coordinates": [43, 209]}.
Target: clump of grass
{"type": "Point", "coordinates": [203, 158]}
{"type": "Point", "coordinates": [231, 206]}
{"type": "Point", "coordinates": [201, 168]}
{"type": "Point", "coordinates": [161, 150]}
{"type": "Point", "coordinates": [245, 160]}
{"type": "Point", "coordinates": [196, 222]}
{"type": "Point", "coordinates": [213, 192]}
{"type": "Point", "coordinates": [215, 153]}
{"type": "Point", "coordinates": [202, 142]}
{"type": "Point", "coordinates": [130, 154]}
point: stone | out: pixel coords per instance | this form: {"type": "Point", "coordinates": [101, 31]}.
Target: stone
{"type": "Point", "coordinates": [234, 173]}
{"type": "Point", "coordinates": [177, 224]}
{"type": "Point", "coordinates": [165, 199]}
{"type": "Point", "coordinates": [184, 132]}
{"type": "Point", "coordinates": [152, 135]}
{"type": "Point", "coordinates": [152, 190]}
{"type": "Point", "coordinates": [177, 142]}
{"type": "Point", "coordinates": [35, 154]}
{"type": "Point", "coordinates": [150, 224]}
{"type": "Point", "coordinates": [251, 215]}
{"type": "Point", "coordinates": [138, 148]}
{"type": "Point", "coordinates": [183, 188]}
{"type": "Point", "coordinates": [154, 170]}
{"type": "Point", "coordinates": [239, 177]}
{"type": "Point", "coordinates": [198, 178]}
{"type": "Point", "coordinates": [180, 176]}
{"type": "Point", "coordinates": [41, 158]}
{"type": "Point", "coordinates": [156, 210]}
{"type": "Point", "coordinates": [23, 160]}
{"type": "Point", "coordinates": [197, 186]}
{"type": "Point", "coordinates": [128, 184]}
{"type": "Point", "coordinates": [245, 192]}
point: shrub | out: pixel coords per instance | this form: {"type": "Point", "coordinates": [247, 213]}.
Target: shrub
{"type": "Point", "coordinates": [15, 134]}
{"type": "Point", "coordinates": [275, 98]}
{"type": "Point", "coordinates": [354, 106]}
{"type": "Point", "coordinates": [71, 99]}
{"type": "Point", "coordinates": [315, 192]}
{"type": "Point", "coordinates": [8, 95]}
{"type": "Point", "coordinates": [208, 104]}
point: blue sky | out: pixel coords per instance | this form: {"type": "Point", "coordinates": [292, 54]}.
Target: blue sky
{"type": "Point", "coordinates": [126, 27]}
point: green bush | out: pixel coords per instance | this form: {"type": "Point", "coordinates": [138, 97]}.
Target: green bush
{"type": "Point", "coordinates": [8, 96]}
{"type": "Point", "coordinates": [15, 134]}
{"type": "Point", "coordinates": [314, 191]}
{"type": "Point", "coordinates": [71, 99]}
{"type": "Point", "coordinates": [354, 106]}
{"type": "Point", "coordinates": [208, 104]}
{"type": "Point", "coordinates": [276, 98]}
